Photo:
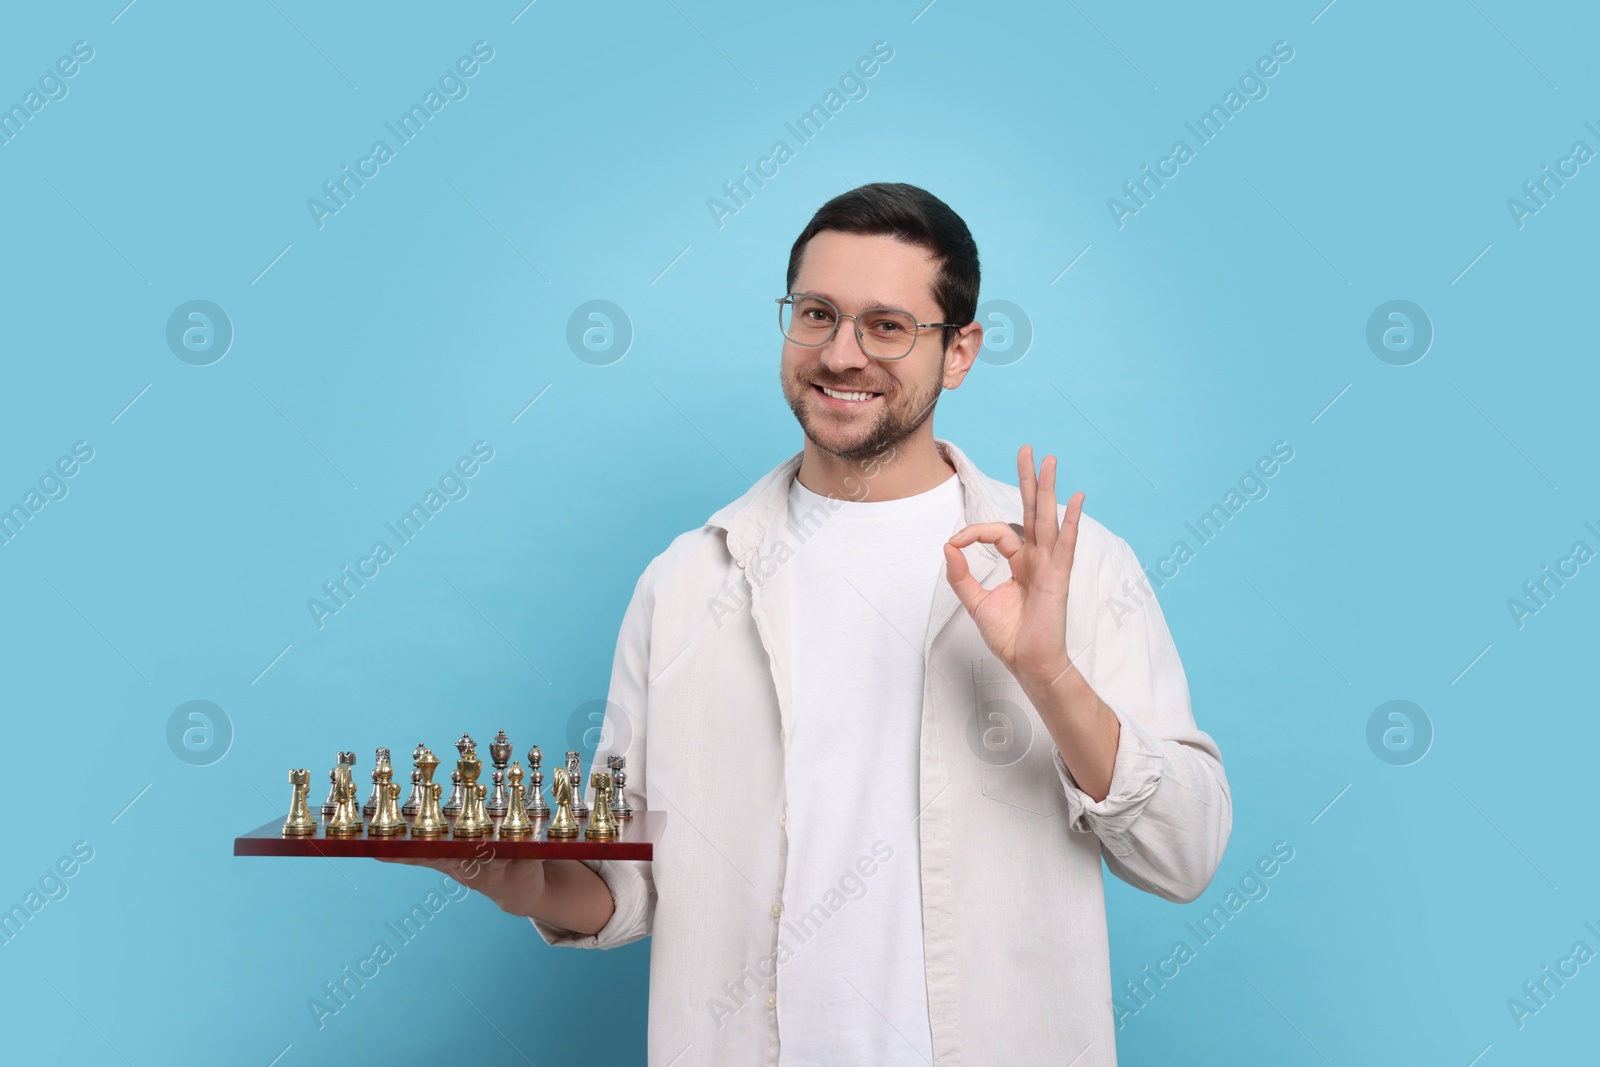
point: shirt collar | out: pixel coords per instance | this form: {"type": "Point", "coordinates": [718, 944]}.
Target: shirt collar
{"type": "Point", "coordinates": [748, 519]}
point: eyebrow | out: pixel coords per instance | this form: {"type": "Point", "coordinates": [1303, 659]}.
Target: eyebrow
{"type": "Point", "coordinates": [872, 302]}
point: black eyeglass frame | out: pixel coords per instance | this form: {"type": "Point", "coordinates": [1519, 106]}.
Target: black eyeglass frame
{"type": "Point", "coordinates": [860, 337]}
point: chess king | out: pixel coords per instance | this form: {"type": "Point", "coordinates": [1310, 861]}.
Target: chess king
{"type": "Point", "coordinates": [898, 711]}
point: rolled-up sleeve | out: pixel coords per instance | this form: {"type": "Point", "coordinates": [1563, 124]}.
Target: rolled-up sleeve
{"type": "Point", "coordinates": [1166, 819]}
{"type": "Point", "coordinates": [632, 886]}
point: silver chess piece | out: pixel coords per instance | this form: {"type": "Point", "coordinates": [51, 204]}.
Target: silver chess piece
{"type": "Point", "coordinates": [619, 783]}
{"type": "Point", "coordinates": [371, 806]}
{"type": "Point", "coordinates": [580, 810]}
{"type": "Point", "coordinates": [458, 796]}
{"type": "Point", "coordinates": [499, 801]}
{"type": "Point", "coordinates": [452, 807]}
{"type": "Point", "coordinates": [537, 807]}
{"type": "Point", "coordinates": [413, 802]}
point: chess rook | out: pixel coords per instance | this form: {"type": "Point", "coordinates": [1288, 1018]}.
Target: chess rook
{"type": "Point", "coordinates": [602, 826]}
{"type": "Point", "coordinates": [301, 823]}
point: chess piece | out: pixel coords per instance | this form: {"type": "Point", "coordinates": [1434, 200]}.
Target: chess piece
{"type": "Point", "coordinates": [331, 805]}
{"type": "Point", "coordinates": [458, 797]}
{"type": "Point", "coordinates": [620, 808]}
{"type": "Point", "coordinates": [371, 806]}
{"type": "Point", "coordinates": [413, 802]}
{"type": "Point", "coordinates": [563, 825]}
{"type": "Point", "coordinates": [602, 825]}
{"type": "Point", "coordinates": [346, 821]}
{"type": "Point", "coordinates": [537, 808]}
{"type": "Point", "coordinates": [499, 778]}
{"type": "Point", "coordinates": [301, 823]}
{"type": "Point", "coordinates": [430, 821]}
{"type": "Point", "coordinates": [516, 822]}
{"type": "Point", "coordinates": [474, 819]}
{"type": "Point", "coordinates": [499, 751]}
{"type": "Point", "coordinates": [386, 820]}
{"type": "Point", "coordinates": [580, 810]}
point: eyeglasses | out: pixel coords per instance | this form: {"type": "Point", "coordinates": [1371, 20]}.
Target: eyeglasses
{"type": "Point", "coordinates": [884, 333]}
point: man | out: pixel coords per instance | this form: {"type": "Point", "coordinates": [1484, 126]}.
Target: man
{"type": "Point", "coordinates": [891, 714]}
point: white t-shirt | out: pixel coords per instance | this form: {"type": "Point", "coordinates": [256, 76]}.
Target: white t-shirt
{"type": "Point", "coordinates": [852, 987]}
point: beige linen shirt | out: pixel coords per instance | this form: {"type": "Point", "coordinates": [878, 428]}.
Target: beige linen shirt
{"type": "Point", "coordinates": [1010, 849]}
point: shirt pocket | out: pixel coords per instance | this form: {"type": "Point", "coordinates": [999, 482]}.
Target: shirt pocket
{"type": "Point", "coordinates": [1013, 748]}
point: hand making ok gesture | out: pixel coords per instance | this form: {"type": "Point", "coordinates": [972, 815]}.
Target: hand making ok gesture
{"type": "Point", "coordinates": [1023, 620]}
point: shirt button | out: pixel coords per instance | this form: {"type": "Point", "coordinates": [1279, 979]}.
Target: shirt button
{"type": "Point", "coordinates": [783, 819]}
{"type": "Point", "coordinates": [772, 1000]}
{"type": "Point", "coordinates": [777, 909]}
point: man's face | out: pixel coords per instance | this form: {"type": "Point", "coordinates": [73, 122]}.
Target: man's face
{"type": "Point", "coordinates": [855, 272]}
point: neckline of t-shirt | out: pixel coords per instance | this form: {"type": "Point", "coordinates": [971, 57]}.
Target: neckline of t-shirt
{"type": "Point", "coordinates": [929, 500]}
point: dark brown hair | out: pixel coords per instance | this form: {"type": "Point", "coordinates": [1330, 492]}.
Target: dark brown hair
{"type": "Point", "coordinates": [912, 215]}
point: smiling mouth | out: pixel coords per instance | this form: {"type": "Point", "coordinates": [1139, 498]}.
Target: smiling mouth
{"type": "Point", "coordinates": [846, 395]}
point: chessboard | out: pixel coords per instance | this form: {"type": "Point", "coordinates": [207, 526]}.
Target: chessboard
{"type": "Point", "coordinates": [634, 841]}
{"type": "Point", "coordinates": [512, 822]}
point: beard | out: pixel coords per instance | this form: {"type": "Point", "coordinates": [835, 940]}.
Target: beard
{"type": "Point", "coordinates": [850, 435]}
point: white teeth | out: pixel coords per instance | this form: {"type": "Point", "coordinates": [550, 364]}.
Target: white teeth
{"type": "Point", "coordinates": [846, 396]}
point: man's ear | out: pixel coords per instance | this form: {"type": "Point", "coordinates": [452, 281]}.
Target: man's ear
{"type": "Point", "coordinates": [961, 354]}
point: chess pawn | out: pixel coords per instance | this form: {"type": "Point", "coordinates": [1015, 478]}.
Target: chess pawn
{"type": "Point", "coordinates": [346, 821]}
{"type": "Point", "coordinates": [619, 784]}
{"type": "Point", "coordinates": [537, 808]}
{"type": "Point", "coordinates": [452, 807]}
{"type": "Point", "coordinates": [474, 821]}
{"type": "Point", "coordinates": [301, 823]}
{"type": "Point", "coordinates": [387, 821]}
{"type": "Point", "coordinates": [516, 822]}
{"type": "Point", "coordinates": [331, 805]}
{"type": "Point", "coordinates": [413, 802]}
{"type": "Point", "coordinates": [371, 806]}
{"type": "Point", "coordinates": [602, 825]}
{"type": "Point", "coordinates": [430, 821]}
{"type": "Point", "coordinates": [563, 825]}
{"type": "Point", "coordinates": [580, 810]}
{"type": "Point", "coordinates": [498, 795]}
{"type": "Point", "coordinates": [500, 753]}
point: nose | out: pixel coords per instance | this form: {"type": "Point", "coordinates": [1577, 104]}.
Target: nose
{"type": "Point", "coordinates": [844, 351]}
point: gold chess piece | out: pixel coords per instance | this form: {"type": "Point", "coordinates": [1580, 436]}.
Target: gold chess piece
{"type": "Point", "coordinates": [346, 821]}
{"type": "Point", "coordinates": [474, 819]}
{"type": "Point", "coordinates": [430, 821]}
{"type": "Point", "coordinates": [563, 825]}
{"type": "Point", "coordinates": [301, 823]}
{"type": "Point", "coordinates": [602, 824]}
{"type": "Point", "coordinates": [386, 818]}
{"type": "Point", "coordinates": [516, 823]}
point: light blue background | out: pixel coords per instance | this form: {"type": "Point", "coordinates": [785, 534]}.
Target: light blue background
{"type": "Point", "coordinates": [427, 314]}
